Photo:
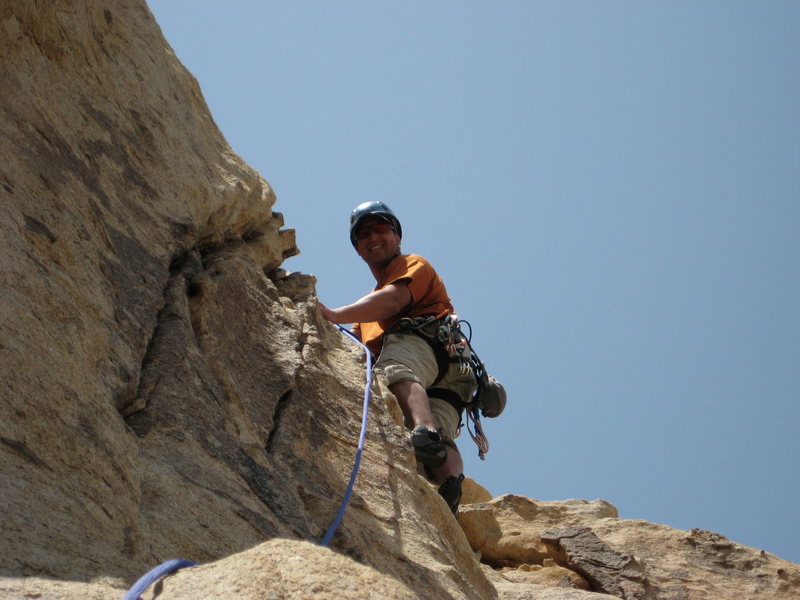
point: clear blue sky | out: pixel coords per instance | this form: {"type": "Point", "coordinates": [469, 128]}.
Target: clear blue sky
{"type": "Point", "coordinates": [611, 192]}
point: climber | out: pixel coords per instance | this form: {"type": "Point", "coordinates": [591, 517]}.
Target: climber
{"type": "Point", "coordinates": [409, 294]}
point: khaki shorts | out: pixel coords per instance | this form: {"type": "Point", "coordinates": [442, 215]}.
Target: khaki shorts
{"type": "Point", "coordinates": [406, 356]}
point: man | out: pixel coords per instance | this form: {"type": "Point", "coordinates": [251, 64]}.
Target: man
{"type": "Point", "coordinates": [407, 288]}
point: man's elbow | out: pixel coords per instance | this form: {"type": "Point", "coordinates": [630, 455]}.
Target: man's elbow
{"type": "Point", "coordinates": [400, 303]}
{"type": "Point", "coordinates": [393, 300]}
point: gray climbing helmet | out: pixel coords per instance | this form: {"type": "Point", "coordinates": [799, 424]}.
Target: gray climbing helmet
{"type": "Point", "coordinates": [372, 209]}
{"type": "Point", "coordinates": [491, 397]}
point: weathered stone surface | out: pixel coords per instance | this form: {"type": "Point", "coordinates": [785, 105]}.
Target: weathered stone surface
{"type": "Point", "coordinates": [700, 565]}
{"type": "Point", "coordinates": [113, 178]}
{"type": "Point", "coordinates": [280, 568]}
{"type": "Point", "coordinates": [47, 588]}
{"type": "Point", "coordinates": [607, 570]}
{"type": "Point", "coordinates": [473, 492]}
{"type": "Point", "coordinates": [166, 389]}
{"type": "Point", "coordinates": [508, 589]}
{"type": "Point", "coordinates": [623, 558]}
{"type": "Point", "coordinates": [506, 531]}
{"type": "Point", "coordinates": [549, 573]}
{"type": "Point", "coordinates": [530, 591]}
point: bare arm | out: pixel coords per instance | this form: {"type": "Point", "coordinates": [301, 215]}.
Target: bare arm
{"type": "Point", "coordinates": [375, 306]}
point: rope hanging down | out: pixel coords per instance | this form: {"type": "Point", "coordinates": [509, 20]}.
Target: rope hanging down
{"type": "Point", "coordinates": [361, 438]}
{"type": "Point", "coordinates": [175, 564]}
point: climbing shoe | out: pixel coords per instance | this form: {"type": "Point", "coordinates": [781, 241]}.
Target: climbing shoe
{"type": "Point", "coordinates": [450, 490]}
{"type": "Point", "coordinates": [428, 446]}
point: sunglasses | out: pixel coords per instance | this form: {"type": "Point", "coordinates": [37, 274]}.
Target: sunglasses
{"type": "Point", "coordinates": [379, 228]}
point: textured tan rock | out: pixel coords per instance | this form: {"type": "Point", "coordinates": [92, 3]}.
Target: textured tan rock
{"type": "Point", "coordinates": [473, 492]}
{"type": "Point", "coordinates": [167, 390]}
{"type": "Point", "coordinates": [549, 574]}
{"type": "Point", "coordinates": [623, 558]}
{"type": "Point", "coordinates": [509, 587]}
{"type": "Point", "coordinates": [280, 568]}
{"type": "Point", "coordinates": [700, 565]}
{"type": "Point", "coordinates": [45, 588]}
{"type": "Point", "coordinates": [530, 591]}
{"type": "Point", "coordinates": [606, 569]}
{"type": "Point", "coordinates": [506, 531]}
{"type": "Point", "coordinates": [113, 176]}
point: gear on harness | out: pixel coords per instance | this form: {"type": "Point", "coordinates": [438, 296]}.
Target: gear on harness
{"type": "Point", "coordinates": [480, 439]}
{"type": "Point", "coordinates": [444, 336]}
{"type": "Point", "coordinates": [489, 400]}
{"type": "Point", "coordinates": [449, 335]}
{"type": "Point", "coordinates": [451, 346]}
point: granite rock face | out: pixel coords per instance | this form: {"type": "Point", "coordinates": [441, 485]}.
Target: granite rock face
{"type": "Point", "coordinates": [169, 391]}
{"type": "Point", "coordinates": [635, 560]}
{"type": "Point", "coordinates": [507, 530]}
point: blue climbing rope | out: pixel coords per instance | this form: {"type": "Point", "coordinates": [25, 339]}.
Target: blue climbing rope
{"type": "Point", "coordinates": [154, 575]}
{"type": "Point", "coordinates": [175, 564]}
{"type": "Point", "coordinates": [361, 438]}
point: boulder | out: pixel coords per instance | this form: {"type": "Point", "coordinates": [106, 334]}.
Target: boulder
{"type": "Point", "coordinates": [289, 569]}
{"type": "Point", "coordinates": [699, 564]}
{"type": "Point", "coordinates": [623, 558]}
{"type": "Point", "coordinates": [506, 531]}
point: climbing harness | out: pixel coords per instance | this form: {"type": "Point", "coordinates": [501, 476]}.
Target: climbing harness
{"type": "Point", "coordinates": [444, 336]}
{"type": "Point", "coordinates": [450, 346]}
{"type": "Point", "coordinates": [173, 565]}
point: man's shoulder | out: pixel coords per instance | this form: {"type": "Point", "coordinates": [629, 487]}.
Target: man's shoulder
{"type": "Point", "coordinates": [413, 264]}
{"type": "Point", "coordinates": [415, 259]}
{"type": "Point", "coordinates": [407, 266]}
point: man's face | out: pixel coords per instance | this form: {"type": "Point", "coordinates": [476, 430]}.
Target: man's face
{"type": "Point", "coordinates": [376, 242]}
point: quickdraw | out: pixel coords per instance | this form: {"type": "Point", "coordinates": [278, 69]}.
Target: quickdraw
{"type": "Point", "coordinates": [480, 439]}
{"type": "Point", "coordinates": [455, 343]}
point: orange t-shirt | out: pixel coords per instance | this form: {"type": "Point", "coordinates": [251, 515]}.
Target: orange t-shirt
{"type": "Point", "coordinates": [428, 296]}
